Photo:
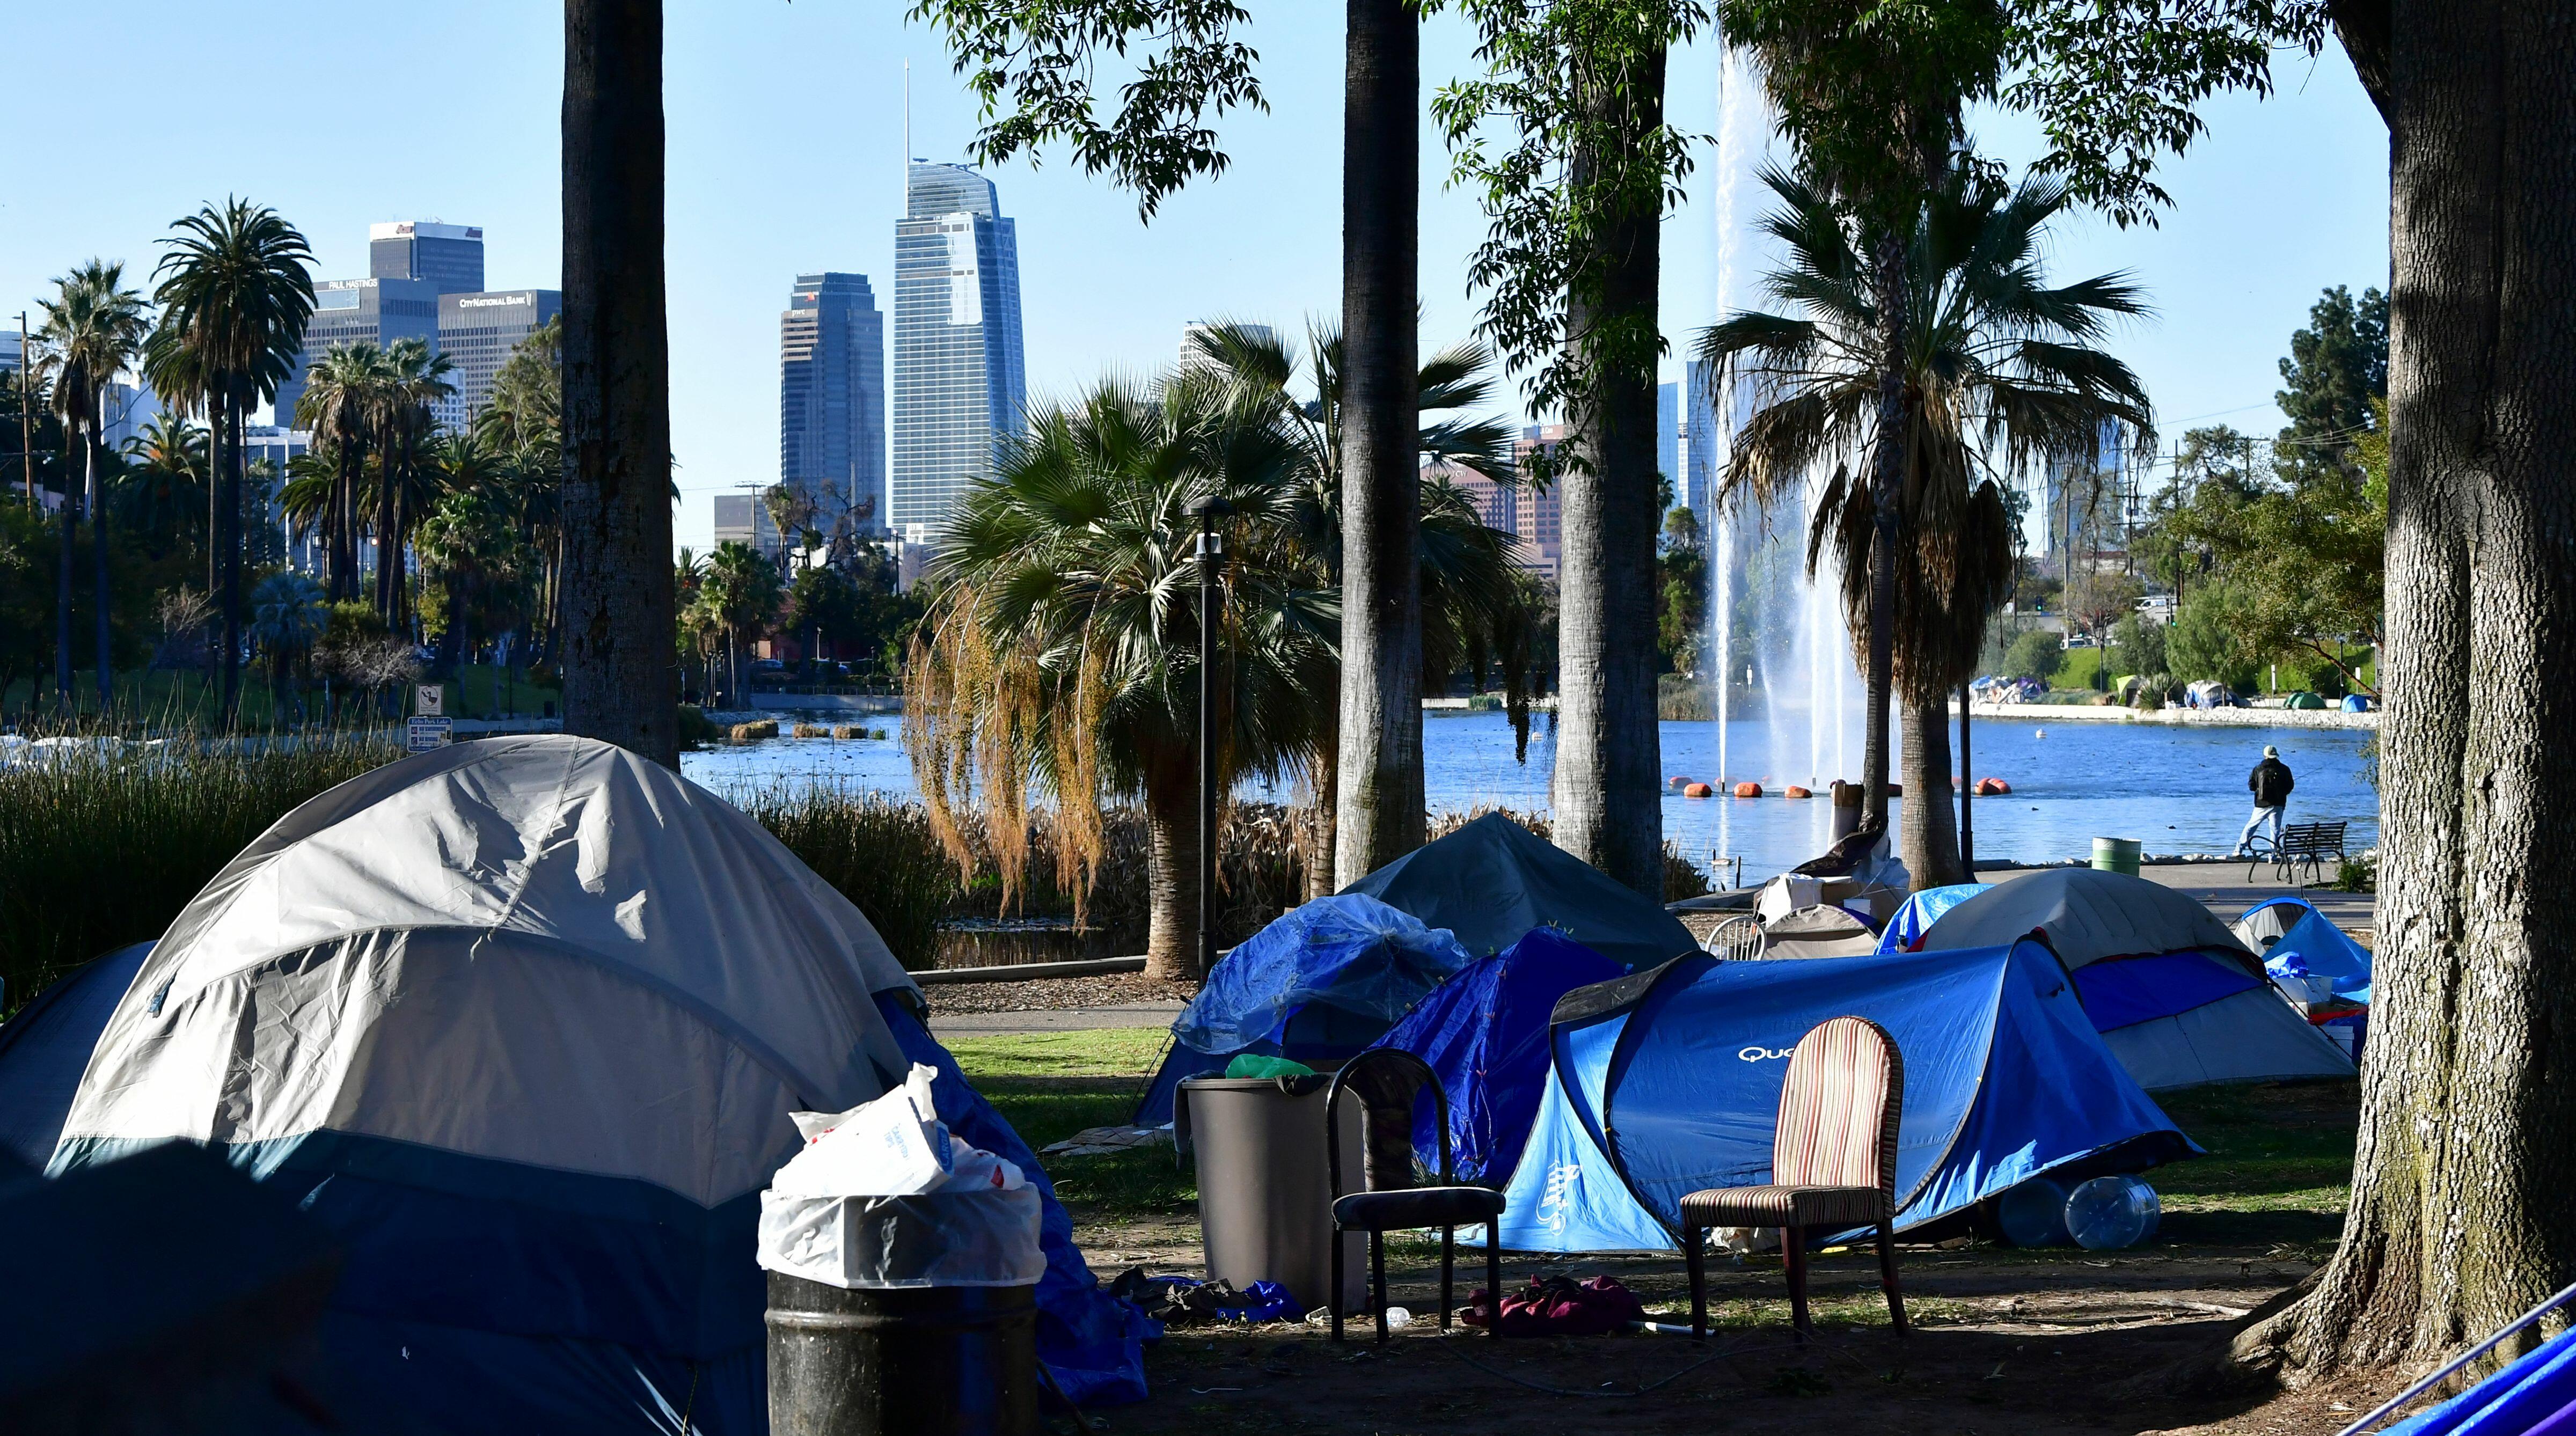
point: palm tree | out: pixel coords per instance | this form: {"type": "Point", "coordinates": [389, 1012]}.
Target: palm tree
{"type": "Point", "coordinates": [344, 391]}
{"type": "Point", "coordinates": [94, 327]}
{"type": "Point", "coordinates": [234, 300]}
{"type": "Point", "coordinates": [168, 475]}
{"type": "Point", "coordinates": [466, 548]}
{"type": "Point", "coordinates": [415, 380]}
{"type": "Point", "coordinates": [288, 617]}
{"type": "Point", "coordinates": [741, 591]}
{"type": "Point", "coordinates": [1998, 367]}
{"type": "Point", "coordinates": [1470, 595]}
{"type": "Point", "coordinates": [619, 680]}
{"type": "Point", "coordinates": [1058, 663]}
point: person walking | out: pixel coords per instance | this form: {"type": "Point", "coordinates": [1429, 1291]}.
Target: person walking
{"type": "Point", "coordinates": [2271, 783]}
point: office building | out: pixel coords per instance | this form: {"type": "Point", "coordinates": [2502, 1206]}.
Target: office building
{"type": "Point", "coordinates": [449, 256]}
{"type": "Point", "coordinates": [350, 311]}
{"type": "Point", "coordinates": [960, 380]}
{"type": "Point", "coordinates": [831, 401]}
{"type": "Point", "coordinates": [12, 357]}
{"type": "Point", "coordinates": [744, 519]}
{"type": "Point", "coordinates": [478, 332]}
{"type": "Point", "coordinates": [1538, 510]}
{"type": "Point", "coordinates": [1193, 357]}
{"type": "Point", "coordinates": [1668, 437]}
{"type": "Point", "coordinates": [270, 537]}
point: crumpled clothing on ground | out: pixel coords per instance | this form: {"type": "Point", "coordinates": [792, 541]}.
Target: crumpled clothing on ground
{"type": "Point", "coordinates": [1559, 1306]}
{"type": "Point", "coordinates": [1187, 1301]}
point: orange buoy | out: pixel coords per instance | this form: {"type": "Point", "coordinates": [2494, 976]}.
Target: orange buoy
{"type": "Point", "coordinates": [1699, 790]}
{"type": "Point", "coordinates": [1748, 790]}
{"type": "Point", "coordinates": [1992, 787]}
{"type": "Point", "coordinates": [1794, 791]}
{"type": "Point", "coordinates": [1678, 783]}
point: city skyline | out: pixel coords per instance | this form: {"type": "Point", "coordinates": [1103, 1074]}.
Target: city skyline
{"type": "Point", "coordinates": [832, 400]}
{"type": "Point", "coordinates": [959, 378]}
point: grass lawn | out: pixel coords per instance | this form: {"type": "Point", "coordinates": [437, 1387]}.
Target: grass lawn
{"type": "Point", "coordinates": [1051, 1085]}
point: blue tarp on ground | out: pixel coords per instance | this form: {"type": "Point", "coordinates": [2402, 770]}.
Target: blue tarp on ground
{"type": "Point", "coordinates": [2534, 1394]}
{"type": "Point", "coordinates": [2315, 947]}
{"type": "Point", "coordinates": [44, 1049]}
{"type": "Point", "coordinates": [1318, 984]}
{"type": "Point", "coordinates": [1905, 931]}
{"type": "Point", "coordinates": [2005, 1078]}
{"type": "Point", "coordinates": [1493, 880]}
{"type": "Point", "coordinates": [1484, 1032]}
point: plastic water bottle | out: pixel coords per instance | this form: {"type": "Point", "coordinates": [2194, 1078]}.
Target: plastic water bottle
{"type": "Point", "coordinates": [2109, 1213]}
{"type": "Point", "coordinates": [2033, 1214]}
{"type": "Point", "coordinates": [1398, 1318]}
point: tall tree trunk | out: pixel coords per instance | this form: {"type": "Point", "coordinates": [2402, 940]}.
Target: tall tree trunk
{"type": "Point", "coordinates": [620, 679]}
{"type": "Point", "coordinates": [234, 404]}
{"type": "Point", "coordinates": [1607, 788]}
{"type": "Point", "coordinates": [90, 453]}
{"type": "Point", "coordinates": [1172, 865]}
{"type": "Point", "coordinates": [1323, 823]}
{"type": "Point", "coordinates": [1887, 481]}
{"type": "Point", "coordinates": [69, 514]}
{"type": "Point", "coordinates": [1927, 831]}
{"type": "Point", "coordinates": [2464, 1184]}
{"type": "Point", "coordinates": [218, 451]}
{"type": "Point", "coordinates": [1379, 808]}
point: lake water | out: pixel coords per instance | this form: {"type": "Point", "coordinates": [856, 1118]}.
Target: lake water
{"type": "Point", "coordinates": [2178, 789]}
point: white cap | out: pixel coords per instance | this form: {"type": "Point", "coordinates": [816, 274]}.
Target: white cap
{"type": "Point", "coordinates": [2271, 752]}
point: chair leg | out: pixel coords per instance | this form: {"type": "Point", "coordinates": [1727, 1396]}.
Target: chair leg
{"type": "Point", "coordinates": [1695, 1262]}
{"type": "Point", "coordinates": [1494, 1274]}
{"type": "Point", "coordinates": [1448, 1264]}
{"type": "Point", "coordinates": [1793, 1245]}
{"type": "Point", "coordinates": [1335, 1302]}
{"type": "Point", "coordinates": [1377, 1279]}
{"type": "Point", "coordinates": [1887, 1276]}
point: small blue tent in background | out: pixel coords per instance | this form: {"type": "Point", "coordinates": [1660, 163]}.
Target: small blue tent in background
{"type": "Point", "coordinates": [1493, 880]}
{"type": "Point", "coordinates": [1318, 984]}
{"type": "Point", "coordinates": [2314, 948]}
{"type": "Point", "coordinates": [1484, 1032]}
{"type": "Point", "coordinates": [1904, 932]}
{"type": "Point", "coordinates": [2005, 1079]}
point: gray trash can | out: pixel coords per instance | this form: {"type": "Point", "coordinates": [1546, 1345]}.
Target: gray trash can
{"type": "Point", "coordinates": [1265, 1193]}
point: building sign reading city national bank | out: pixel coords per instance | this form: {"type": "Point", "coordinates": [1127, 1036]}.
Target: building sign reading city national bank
{"type": "Point", "coordinates": [495, 301]}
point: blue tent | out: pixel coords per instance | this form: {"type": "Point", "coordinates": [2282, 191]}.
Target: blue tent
{"type": "Point", "coordinates": [2005, 1079]}
{"type": "Point", "coordinates": [1318, 984]}
{"type": "Point", "coordinates": [44, 1049]}
{"type": "Point", "coordinates": [2535, 1394]}
{"type": "Point", "coordinates": [1904, 932]}
{"type": "Point", "coordinates": [2315, 948]}
{"type": "Point", "coordinates": [1493, 880]}
{"type": "Point", "coordinates": [1484, 1032]}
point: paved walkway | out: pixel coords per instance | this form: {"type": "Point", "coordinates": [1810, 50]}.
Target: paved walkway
{"type": "Point", "coordinates": [1067, 1019]}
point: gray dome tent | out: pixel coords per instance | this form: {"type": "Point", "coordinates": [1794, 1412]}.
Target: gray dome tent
{"type": "Point", "coordinates": [2177, 998]}
{"type": "Point", "coordinates": [1493, 880]}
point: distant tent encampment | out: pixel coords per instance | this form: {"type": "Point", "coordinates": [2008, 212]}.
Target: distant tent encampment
{"type": "Point", "coordinates": [1484, 1032]}
{"type": "Point", "coordinates": [2005, 1079]}
{"type": "Point", "coordinates": [2176, 996]}
{"type": "Point", "coordinates": [1319, 984]}
{"type": "Point", "coordinates": [523, 1021]}
{"type": "Point", "coordinates": [1494, 880]}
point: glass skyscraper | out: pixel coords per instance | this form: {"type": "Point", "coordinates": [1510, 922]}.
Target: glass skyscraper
{"type": "Point", "coordinates": [447, 255]}
{"type": "Point", "coordinates": [831, 400]}
{"type": "Point", "coordinates": [959, 376]}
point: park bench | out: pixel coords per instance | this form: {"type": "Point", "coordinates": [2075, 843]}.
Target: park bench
{"type": "Point", "coordinates": [2301, 843]}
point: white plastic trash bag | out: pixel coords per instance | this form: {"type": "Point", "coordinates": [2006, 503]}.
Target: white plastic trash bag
{"type": "Point", "coordinates": [968, 1238]}
{"type": "Point", "coordinates": [894, 1146]}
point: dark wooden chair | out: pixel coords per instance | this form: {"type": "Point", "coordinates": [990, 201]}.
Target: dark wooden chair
{"type": "Point", "coordinates": [1833, 1164]}
{"type": "Point", "coordinates": [1386, 1082]}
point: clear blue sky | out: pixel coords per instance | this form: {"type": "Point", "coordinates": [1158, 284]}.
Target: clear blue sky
{"type": "Point", "coordinates": [785, 152]}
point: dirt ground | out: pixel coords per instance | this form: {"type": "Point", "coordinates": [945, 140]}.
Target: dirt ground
{"type": "Point", "coordinates": [2004, 1341]}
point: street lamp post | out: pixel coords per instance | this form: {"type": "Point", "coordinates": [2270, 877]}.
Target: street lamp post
{"type": "Point", "coordinates": [1211, 552]}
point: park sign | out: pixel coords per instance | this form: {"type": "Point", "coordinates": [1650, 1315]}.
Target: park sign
{"type": "Point", "coordinates": [428, 734]}
{"type": "Point", "coordinates": [429, 699]}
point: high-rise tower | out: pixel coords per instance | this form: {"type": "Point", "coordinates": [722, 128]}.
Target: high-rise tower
{"type": "Point", "coordinates": [831, 400]}
{"type": "Point", "coordinates": [959, 377]}
{"type": "Point", "coordinates": [447, 255]}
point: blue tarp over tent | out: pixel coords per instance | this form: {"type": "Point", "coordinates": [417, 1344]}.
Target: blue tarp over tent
{"type": "Point", "coordinates": [1318, 984]}
{"type": "Point", "coordinates": [2005, 1078]}
{"type": "Point", "coordinates": [1493, 880]}
{"type": "Point", "coordinates": [2315, 947]}
{"type": "Point", "coordinates": [1905, 930]}
{"type": "Point", "coordinates": [2535, 1394]}
{"type": "Point", "coordinates": [1484, 1032]}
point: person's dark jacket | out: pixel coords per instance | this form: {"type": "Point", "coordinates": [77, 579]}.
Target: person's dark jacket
{"type": "Point", "coordinates": [2271, 783]}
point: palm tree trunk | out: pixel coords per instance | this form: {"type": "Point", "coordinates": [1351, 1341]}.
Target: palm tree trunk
{"type": "Point", "coordinates": [619, 673]}
{"type": "Point", "coordinates": [1172, 864]}
{"type": "Point", "coordinates": [1322, 823]}
{"type": "Point", "coordinates": [231, 517]}
{"type": "Point", "coordinates": [1927, 830]}
{"type": "Point", "coordinates": [1607, 788]}
{"type": "Point", "coordinates": [68, 512]}
{"type": "Point", "coordinates": [1887, 474]}
{"type": "Point", "coordinates": [1380, 803]}
{"type": "Point", "coordinates": [98, 561]}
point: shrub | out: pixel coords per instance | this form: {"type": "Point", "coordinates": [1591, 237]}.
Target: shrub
{"type": "Point", "coordinates": [696, 729]}
{"type": "Point", "coordinates": [2035, 654]}
{"type": "Point", "coordinates": [880, 854]}
{"type": "Point", "coordinates": [808, 730]}
{"type": "Point", "coordinates": [2138, 645]}
{"type": "Point", "coordinates": [753, 732]}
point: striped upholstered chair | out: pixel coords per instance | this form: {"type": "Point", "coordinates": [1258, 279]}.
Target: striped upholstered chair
{"type": "Point", "coordinates": [1833, 1163]}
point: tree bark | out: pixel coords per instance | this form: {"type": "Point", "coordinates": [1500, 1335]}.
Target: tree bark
{"type": "Point", "coordinates": [1381, 800]}
{"type": "Point", "coordinates": [1172, 841]}
{"type": "Point", "coordinates": [234, 404]}
{"type": "Point", "coordinates": [1607, 789]}
{"type": "Point", "coordinates": [1927, 836]}
{"type": "Point", "coordinates": [1322, 823]}
{"type": "Point", "coordinates": [68, 512]}
{"type": "Point", "coordinates": [619, 678]}
{"type": "Point", "coordinates": [1887, 481]}
{"type": "Point", "coordinates": [2463, 1208]}
{"type": "Point", "coordinates": [98, 563]}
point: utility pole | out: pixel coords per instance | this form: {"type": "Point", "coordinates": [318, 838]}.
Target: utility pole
{"type": "Point", "coordinates": [1211, 550]}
